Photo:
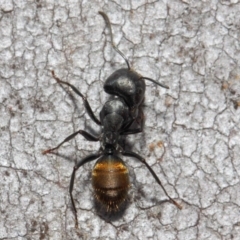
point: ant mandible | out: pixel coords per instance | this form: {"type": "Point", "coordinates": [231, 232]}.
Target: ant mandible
{"type": "Point", "coordinates": [110, 178]}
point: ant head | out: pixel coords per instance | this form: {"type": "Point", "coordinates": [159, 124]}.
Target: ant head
{"type": "Point", "coordinates": [128, 85]}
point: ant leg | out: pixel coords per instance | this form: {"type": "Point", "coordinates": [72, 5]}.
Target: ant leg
{"type": "Point", "coordinates": [141, 159]}
{"type": "Point", "coordinates": [132, 131]}
{"type": "Point", "coordinates": [85, 101]}
{"type": "Point", "coordinates": [86, 135]}
{"type": "Point", "coordinates": [140, 123]}
{"type": "Point", "coordinates": [76, 167]}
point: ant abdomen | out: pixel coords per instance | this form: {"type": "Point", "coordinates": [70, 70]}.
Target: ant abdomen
{"type": "Point", "coordinates": [110, 181]}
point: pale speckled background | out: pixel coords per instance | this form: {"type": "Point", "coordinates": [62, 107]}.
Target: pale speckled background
{"type": "Point", "coordinates": [191, 136]}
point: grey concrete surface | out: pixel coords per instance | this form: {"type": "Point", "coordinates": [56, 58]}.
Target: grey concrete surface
{"type": "Point", "coordinates": [191, 136]}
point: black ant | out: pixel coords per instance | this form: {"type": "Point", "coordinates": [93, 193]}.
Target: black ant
{"type": "Point", "coordinates": [110, 177]}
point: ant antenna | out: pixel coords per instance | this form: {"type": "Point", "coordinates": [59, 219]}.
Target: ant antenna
{"type": "Point", "coordinates": [104, 15]}
{"type": "Point", "coordinates": [159, 84]}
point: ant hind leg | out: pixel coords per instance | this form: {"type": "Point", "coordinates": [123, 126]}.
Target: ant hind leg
{"type": "Point", "coordinates": [141, 159]}
{"type": "Point", "coordinates": [89, 158]}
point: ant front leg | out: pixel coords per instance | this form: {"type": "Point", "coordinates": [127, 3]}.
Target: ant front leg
{"type": "Point", "coordinates": [141, 159]}
{"type": "Point", "coordinates": [132, 128]}
{"type": "Point", "coordinates": [85, 101]}
{"type": "Point", "coordinates": [76, 167]}
{"type": "Point", "coordinates": [86, 135]}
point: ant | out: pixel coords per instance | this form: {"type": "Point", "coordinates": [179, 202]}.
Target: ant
{"type": "Point", "coordinates": [110, 177]}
